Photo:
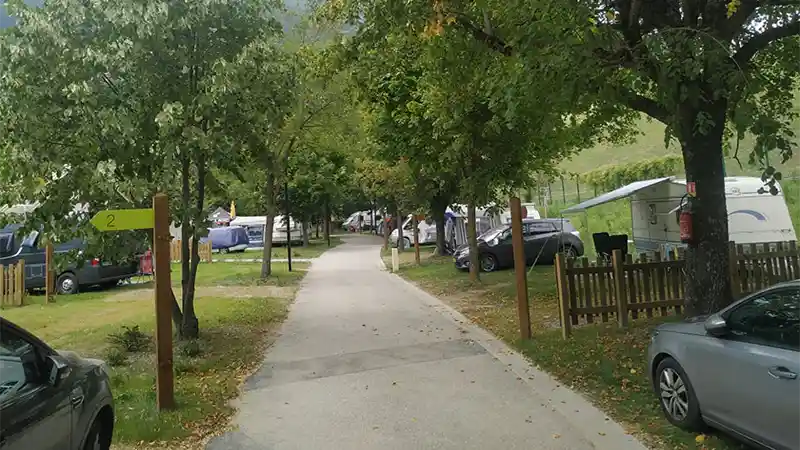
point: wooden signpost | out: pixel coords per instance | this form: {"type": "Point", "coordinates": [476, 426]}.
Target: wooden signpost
{"type": "Point", "coordinates": [520, 269]}
{"type": "Point", "coordinates": [156, 219]}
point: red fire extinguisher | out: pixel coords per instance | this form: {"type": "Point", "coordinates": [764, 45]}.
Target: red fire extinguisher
{"type": "Point", "coordinates": [685, 221]}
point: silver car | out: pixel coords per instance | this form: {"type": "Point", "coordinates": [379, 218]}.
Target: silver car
{"type": "Point", "coordinates": [736, 370]}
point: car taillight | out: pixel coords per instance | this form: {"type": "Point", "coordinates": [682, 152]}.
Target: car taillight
{"type": "Point", "coordinates": [95, 262]}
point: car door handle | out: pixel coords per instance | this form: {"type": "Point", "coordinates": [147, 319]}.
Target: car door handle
{"type": "Point", "coordinates": [782, 372]}
{"type": "Point", "coordinates": [77, 400]}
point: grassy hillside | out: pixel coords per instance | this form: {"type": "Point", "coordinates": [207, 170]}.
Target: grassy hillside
{"type": "Point", "coordinates": [650, 144]}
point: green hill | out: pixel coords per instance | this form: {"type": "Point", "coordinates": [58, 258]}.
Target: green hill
{"type": "Point", "coordinates": [650, 144]}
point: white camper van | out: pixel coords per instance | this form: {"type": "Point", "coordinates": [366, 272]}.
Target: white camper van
{"type": "Point", "coordinates": [655, 204]}
{"type": "Point", "coordinates": [255, 229]}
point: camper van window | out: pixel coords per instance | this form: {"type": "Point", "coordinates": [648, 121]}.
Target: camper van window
{"type": "Point", "coordinates": [6, 244]}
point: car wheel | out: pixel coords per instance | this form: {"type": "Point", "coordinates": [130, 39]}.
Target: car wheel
{"type": "Point", "coordinates": [67, 284]}
{"type": "Point", "coordinates": [488, 262]}
{"type": "Point", "coordinates": [223, 250]}
{"type": "Point", "coordinates": [676, 396]}
{"type": "Point", "coordinates": [97, 438]}
{"type": "Point", "coordinates": [569, 251]}
{"type": "Point", "coordinates": [407, 242]}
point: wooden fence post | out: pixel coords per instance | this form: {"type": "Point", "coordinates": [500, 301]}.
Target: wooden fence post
{"type": "Point", "coordinates": [2, 285]}
{"type": "Point", "coordinates": [19, 280]}
{"type": "Point", "coordinates": [563, 295]}
{"type": "Point", "coordinates": [736, 282]}
{"type": "Point", "coordinates": [618, 267]}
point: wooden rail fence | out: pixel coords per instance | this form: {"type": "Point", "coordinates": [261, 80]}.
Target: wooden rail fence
{"type": "Point", "coordinates": [653, 284]}
{"type": "Point", "coordinates": [204, 250]}
{"type": "Point", "coordinates": [12, 284]}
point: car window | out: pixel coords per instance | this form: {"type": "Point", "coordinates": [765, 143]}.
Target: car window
{"type": "Point", "coordinates": [771, 319]}
{"type": "Point", "coordinates": [534, 228]}
{"type": "Point", "coordinates": [20, 364]}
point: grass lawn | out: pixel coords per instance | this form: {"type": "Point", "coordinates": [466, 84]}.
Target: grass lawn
{"type": "Point", "coordinates": [235, 323]}
{"type": "Point", "coordinates": [238, 274]}
{"type": "Point", "coordinates": [606, 364]}
{"type": "Point", "coordinates": [316, 247]}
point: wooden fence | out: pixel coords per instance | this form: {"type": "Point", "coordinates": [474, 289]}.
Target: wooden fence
{"type": "Point", "coordinates": [204, 250]}
{"type": "Point", "coordinates": [654, 284]}
{"type": "Point", "coordinates": [12, 284]}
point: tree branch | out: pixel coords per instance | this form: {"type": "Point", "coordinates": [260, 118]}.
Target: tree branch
{"type": "Point", "coordinates": [645, 105]}
{"type": "Point", "coordinates": [761, 41]}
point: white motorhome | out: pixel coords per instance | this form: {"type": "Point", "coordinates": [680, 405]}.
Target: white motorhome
{"type": "Point", "coordinates": [655, 204]}
{"type": "Point", "coordinates": [255, 229]}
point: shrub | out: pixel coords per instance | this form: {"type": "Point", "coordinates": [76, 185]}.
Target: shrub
{"type": "Point", "coordinates": [115, 357]}
{"type": "Point", "coordinates": [191, 348]}
{"type": "Point", "coordinates": [130, 340]}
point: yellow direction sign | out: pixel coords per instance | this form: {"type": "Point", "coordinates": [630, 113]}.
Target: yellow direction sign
{"type": "Point", "coordinates": [123, 219]}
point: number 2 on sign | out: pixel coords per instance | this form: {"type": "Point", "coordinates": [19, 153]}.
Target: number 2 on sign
{"type": "Point", "coordinates": [110, 221]}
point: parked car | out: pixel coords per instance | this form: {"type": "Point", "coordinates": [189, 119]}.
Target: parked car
{"type": "Point", "coordinates": [735, 370]}
{"type": "Point", "coordinates": [543, 238]}
{"type": "Point", "coordinates": [94, 271]}
{"type": "Point", "coordinates": [51, 400]}
{"type": "Point", "coordinates": [228, 239]}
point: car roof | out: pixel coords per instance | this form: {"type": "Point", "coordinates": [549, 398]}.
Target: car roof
{"type": "Point", "coordinates": [545, 219]}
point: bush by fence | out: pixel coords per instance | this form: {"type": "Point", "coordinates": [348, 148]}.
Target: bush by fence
{"type": "Point", "coordinates": [12, 284]}
{"type": "Point", "coordinates": [624, 288]}
{"type": "Point", "coordinates": [203, 250]}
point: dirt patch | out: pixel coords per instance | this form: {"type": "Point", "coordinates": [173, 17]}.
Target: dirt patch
{"type": "Point", "coordinates": [211, 291]}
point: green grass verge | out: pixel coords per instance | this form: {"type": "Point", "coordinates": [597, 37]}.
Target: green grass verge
{"type": "Point", "coordinates": [607, 364]}
{"type": "Point", "coordinates": [234, 333]}
{"type": "Point", "coordinates": [243, 274]}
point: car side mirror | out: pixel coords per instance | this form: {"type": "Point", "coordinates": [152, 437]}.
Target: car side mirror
{"type": "Point", "coordinates": [716, 325]}
{"type": "Point", "coordinates": [59, 370]}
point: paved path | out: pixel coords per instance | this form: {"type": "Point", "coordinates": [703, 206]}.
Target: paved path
{"type": "Point", "coordinates": [368, 361]}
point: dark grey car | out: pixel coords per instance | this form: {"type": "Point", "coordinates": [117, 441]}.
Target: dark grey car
{"type": "Point", "coordinates": [542, 238]}
{"type": "Point", "coordinates": [68, 281]}
{"type": "Point", "coordinates": [51, 400]}
{"type": "Point", "coordinates": [736, 370]}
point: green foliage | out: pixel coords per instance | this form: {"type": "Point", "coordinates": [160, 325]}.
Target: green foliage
{"type": "Point", "coordinates": [612, 177]}
{"type": "Point", "coordinates": [115, 357]}
{"type": "Point", "coordinates": [130, 339]}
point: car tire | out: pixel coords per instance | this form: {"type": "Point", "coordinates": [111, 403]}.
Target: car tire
{"type": "Point", "coordinates": [488, 262]}
{"type": "Point", "coordinates": [407, 242]}
{"type": "Point", "coordinates": [97, 438]}
{"type": "Point", "coordinates": [676, 396]}
{"type": "Point", "coordinates": [569, 251]}
{"type": "Point", "coordinates": [223, 251]}
{"type": "Point", "coordinates": [67, 284]}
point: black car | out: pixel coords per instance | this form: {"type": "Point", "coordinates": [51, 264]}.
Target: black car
{"type": "Point", "coordinates": [51, 400]}
{"type": "Point", "coordinates": [93, 272]}
{"type": "Point", "coordinates": [544, 238]}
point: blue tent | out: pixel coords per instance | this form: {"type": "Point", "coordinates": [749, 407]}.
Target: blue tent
{"type": "Point", "coordinates": [228, 238]}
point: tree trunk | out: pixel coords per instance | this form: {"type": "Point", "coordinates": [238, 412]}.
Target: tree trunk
{"type": "Point", "coordinates": [472, 237]}
{"type": "Point", "coordinates": [316, 228]}
{"type": "Point", "coordinates": [271, 206]}
{"type": "Point", "coordinates": [415, 230]}
{"type": "Point", "coordinates": [327, 228]}
{"type": "Point", "coordinates": [186, 239]}
{"type": "Point", "coordinates": [304, 227]}
{"type": "Point", "coordinates": [438, 218]}
{"type": "Point", "coordinates": [386, 231]}
{"type": "Point", "coordinates": [707, 261]}
{"type": "Point", "coordinates": [399, 232]}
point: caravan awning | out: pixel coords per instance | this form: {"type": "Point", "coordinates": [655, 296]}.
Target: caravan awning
{"type": "Point", "coordinates": [624, 191]}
